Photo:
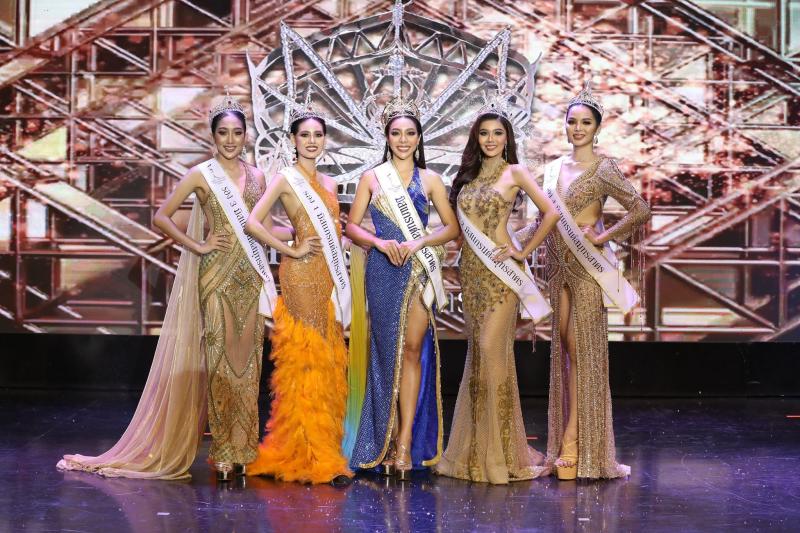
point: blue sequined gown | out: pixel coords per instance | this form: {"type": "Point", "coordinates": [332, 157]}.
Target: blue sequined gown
{"type": "Point", "coordinates": [389, 290]}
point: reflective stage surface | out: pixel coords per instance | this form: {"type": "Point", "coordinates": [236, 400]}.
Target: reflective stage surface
{"type": "Point", "coordinates": [711, 465]}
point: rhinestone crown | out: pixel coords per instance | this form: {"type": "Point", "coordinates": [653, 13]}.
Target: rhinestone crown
{"type": "Point", "coordinates": [228, 103]}
{"type": "Point", "coordinates": [399, 107]}
{"type": "Point", "coordinates": [586, 98]}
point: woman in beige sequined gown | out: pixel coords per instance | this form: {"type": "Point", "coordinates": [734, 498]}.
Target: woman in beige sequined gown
{"type": "Point", "coordinates": [211, 341]}
{"type": "Point", "coordinates": [303, 440]}
{"type": "Point", "coordinates": [487, 439]}
{"type": "Point", "coordinates": [580, 430]}
{"type": "Point", "coordinates": [229, 289]}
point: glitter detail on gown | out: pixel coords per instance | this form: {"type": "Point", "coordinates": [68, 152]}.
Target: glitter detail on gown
{"type": "Point", "coordinates": [389, 290]}
{"type": "Point", "coordinates": [596, 449]}
{"type": "Point", "coordinates": [487, 439]}
{"type": "Point", "coordinates": [309, 383]}
{"type": "Point", "coordinates": [233, 340]}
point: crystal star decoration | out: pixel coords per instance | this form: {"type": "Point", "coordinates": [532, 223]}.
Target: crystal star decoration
{"type": "Point", "coordinates": [356, 69]}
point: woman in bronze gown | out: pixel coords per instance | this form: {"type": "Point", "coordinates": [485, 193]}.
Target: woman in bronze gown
{"type": "Point", "coordinates": [209, 349]}
{"type": "Point", "coordinates": [487, 440]}
{"type": "Point", "coordinates": [581, 434]}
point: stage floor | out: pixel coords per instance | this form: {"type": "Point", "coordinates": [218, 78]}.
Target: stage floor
{"type": "Point", "coordinates": [710, 465]}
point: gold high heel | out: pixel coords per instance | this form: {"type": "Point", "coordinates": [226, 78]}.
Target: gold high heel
{"type": "Point", "coordinates": [224, 471]}
{"type": "Point", "coordinates": [387, 467]}
{"type": "Point", "coordinates": [564, 472]}
{"type": "Point", "coordinates": [402, 466]}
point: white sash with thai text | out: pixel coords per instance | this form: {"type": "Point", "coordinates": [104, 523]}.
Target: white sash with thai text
{"type": "Point", "coordinates": [236, 210]}
{"type": "Point", "coordinates": [325, 227]}
{"type": "Point", "coordinates": [408, 221]}
{"type": "Point", "coordinates": [520, 280]}
{"type": "Point", "coordinates": [600, 265]}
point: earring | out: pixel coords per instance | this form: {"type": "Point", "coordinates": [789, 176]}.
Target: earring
{"type": "Point", "coordinates": [243, 154]}
{"type": "Point", "coordinates": [595, 140]}
{"type": "Point", "coordinates": [505, 152]}
{"type": "Point", "coordinates": [294, 156]}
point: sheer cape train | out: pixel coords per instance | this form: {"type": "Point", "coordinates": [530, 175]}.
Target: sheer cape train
{"type": "Point", "coordinates": [163, 436]}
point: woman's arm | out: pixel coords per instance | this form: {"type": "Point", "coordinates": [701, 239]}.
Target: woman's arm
{"type": "Point", "coordinates": [620, 189]}
{"type": "Point", "coordinates": [359, 235]}
{"type": "Point", "coordinates": [281, 232]}
{"type": "Point", "coordinates": [450, 228]}
{"type": "Point", "coordinates": [256, 227]}
{"type": "Point", "coordinates": [549, 216]}
{"type": "Point", "coordinates": [163, 218]}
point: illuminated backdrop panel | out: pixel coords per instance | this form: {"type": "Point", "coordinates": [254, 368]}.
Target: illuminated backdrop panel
{"type": "Point", "coordinates": [104, 111]}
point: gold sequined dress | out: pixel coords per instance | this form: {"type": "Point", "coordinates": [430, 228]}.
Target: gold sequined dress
{"type": "Point", "coordinates": [233, 338]}
{"type": "Point", "coordinates": [596, 449]}
{"type": "Point", "coordinates": [303, 440]}
{"type": "Point", "coordinates": [487, 439]}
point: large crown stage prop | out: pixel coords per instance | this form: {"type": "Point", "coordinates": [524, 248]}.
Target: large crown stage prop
{"type": "Point", "coordinates": [349, 73]}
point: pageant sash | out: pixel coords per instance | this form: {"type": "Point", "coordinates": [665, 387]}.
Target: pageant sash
{"type": "Point", "coordinates": [600, 265]}
{"type": "Point", "coordinates": [236, 210]}
{"type": "Point", "coordinates": [331, 247]}
{"type": "Point", "coordinates": [532, 303]}
{"type": "Point", "coordinates": [408, 220]}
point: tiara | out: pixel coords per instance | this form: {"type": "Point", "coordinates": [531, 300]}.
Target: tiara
{"type": "Point", "coordinates": [586, 98]}
{"type": "Point", "coordinates": [399, 107]}
{"type": "Point", "coordinates": [227, 104]}
{"type": "Point", "coordinates": [497, 102]}
{"type": "Point", "coordinates": [304, 111]}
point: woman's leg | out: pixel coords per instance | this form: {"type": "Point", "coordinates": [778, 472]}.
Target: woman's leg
{"type": "Point", "coordinates": [416, 327]}
{"type": "Point", "coordinates": [567, 334]}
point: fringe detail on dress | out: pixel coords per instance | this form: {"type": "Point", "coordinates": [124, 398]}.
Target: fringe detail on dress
{"type": "Point", "coordinates": [309, 388]}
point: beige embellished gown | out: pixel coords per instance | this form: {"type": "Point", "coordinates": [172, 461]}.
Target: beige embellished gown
{"type": "Point", "coordinates": [596, 450]}
{"type": "Point", "coordinates": [233, 338]}
{"type": "Point", "coordinates": [487, 439]}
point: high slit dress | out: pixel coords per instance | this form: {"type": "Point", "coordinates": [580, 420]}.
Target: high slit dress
{"type": "Point", "coordinates": [596, 447]}
{"type": "Point", "coordinates": [389, 291]}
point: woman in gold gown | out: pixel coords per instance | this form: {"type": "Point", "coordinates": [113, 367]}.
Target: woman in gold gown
{"type": "Point", "coordinates": [487, 439]}
{"type": "Point", "coordinates": [580, 430]}
{"type": "Point", "coordinates": [212, 338]}
{"type": "Point", "coordinates": [303, 440]}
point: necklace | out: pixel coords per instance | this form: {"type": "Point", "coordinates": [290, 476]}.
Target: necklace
{"type": "Point", "coordinates": [495, 173]}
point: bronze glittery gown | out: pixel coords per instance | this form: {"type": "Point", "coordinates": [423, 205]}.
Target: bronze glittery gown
{"type": "Point", "coordinates": [596, 449]}
{"type": "Point", "coordinates": [487, 439]}
{"type": "Point", "coordinates": [233, 338]}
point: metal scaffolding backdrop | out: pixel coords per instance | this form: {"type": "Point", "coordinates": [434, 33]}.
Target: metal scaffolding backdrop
{"type": "Point", "coordinates": [102, 113]}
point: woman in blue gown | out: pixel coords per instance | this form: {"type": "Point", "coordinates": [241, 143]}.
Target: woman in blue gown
{"type": "Point", "coordinates": [400, 426]}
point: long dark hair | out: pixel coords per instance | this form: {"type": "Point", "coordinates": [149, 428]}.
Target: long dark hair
{"type": "Point", "coordinates": [472, 157]}
{"type": "Point", "coordinates": [231, 113]}
{"type": "Point", "coordinates": [419, 154]}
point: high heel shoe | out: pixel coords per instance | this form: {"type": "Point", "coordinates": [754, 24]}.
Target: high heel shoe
{"type": "Point", "coordinates": [387, 467]}
{"type": "Point", "coordinates": [224, 471]}
{"type": "Point", "coordinates": [402, 466]}
{"type": "Point", "coordinates": [569, 454]}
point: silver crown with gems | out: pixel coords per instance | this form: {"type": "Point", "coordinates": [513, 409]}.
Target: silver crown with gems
{"type": "Point", "coordinates": [304, 111]}
{"type": "Point", "coordinates": [227, 104]}
{"type": "Point", "coordinates": [585, 97]}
